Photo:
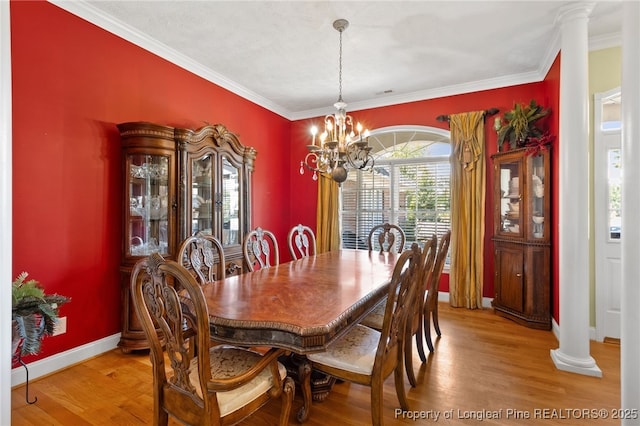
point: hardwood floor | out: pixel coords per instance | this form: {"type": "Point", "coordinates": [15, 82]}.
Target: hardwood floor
{"type": "Point", "coordinates": [483, 365]}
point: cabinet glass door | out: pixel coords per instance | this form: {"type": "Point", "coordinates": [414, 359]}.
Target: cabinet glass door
{"type": "Point", "coordinates": [230, 203]}
{"type": "Point", "coordinates": [202, 195]}
{"type": "Point", "coordinates": [148, 204]}
{"type": "Point", "coordinates": [537, 196]}
{"type": "Point", "coordinates": [510, 196]}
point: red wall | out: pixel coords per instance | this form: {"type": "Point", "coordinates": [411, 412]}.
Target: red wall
{"type": "Point", "coordinates": [73, 82]}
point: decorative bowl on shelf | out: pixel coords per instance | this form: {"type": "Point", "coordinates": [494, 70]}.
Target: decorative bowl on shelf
{"type": "Point", "coordinates": [538, 187]}
{"type": "Point", "coordinates": [538, 219]}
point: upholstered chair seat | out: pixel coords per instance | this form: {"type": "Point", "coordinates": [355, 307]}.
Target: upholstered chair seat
{"type": "Point", "coordinates": [228, 362]}
{"type": "Point", "coordinates": [355, 351]}
{"type": "Point", "coordinates": [375, 318]}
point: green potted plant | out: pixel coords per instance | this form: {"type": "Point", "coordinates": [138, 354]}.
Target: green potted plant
{"type": "Point", "coordinates": [33, 314]}
{"type": "Point", "coordinates": [520, 124]}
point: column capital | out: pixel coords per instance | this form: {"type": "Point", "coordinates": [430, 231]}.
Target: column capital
{"type": "Point", "coordinates": [577, 10]}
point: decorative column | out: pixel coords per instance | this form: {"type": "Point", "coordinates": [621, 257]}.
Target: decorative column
{"type": "Point", "coordinates": [630, 293]}
{"type": "Point", "coordinates": [573, 228]}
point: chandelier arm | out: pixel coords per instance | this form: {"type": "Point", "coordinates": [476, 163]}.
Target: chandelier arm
{"type": "Point", "coordinates": [358, 157]}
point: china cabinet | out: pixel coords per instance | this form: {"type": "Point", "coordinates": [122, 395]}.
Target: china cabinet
{"type": "Point", "coordinates": [179, 182]}
{"type": "Point", "coordinates": [522, 236]}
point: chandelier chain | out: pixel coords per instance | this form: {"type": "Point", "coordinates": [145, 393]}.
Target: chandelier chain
{"type": "Point", "coordinates": [340, 71]}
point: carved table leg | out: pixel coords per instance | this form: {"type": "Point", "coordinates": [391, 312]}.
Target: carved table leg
{"type": "Point", "coordinates": [304, 376]}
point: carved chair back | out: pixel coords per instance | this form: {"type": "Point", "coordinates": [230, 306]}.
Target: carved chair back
{"type": "Point", "coordinates": [436, 273]}
{"type": "Point", "coordinates": [260, 249]}
{"type": "Point", "coordinates": [203, 256]}
{"type": "Point", "coordinates": [301, 241]}
{"type": "Point", "coordinates": [386, 237]}
{"type": "Point", "coordinates": [433, 286]}
{"type": "Point", "coordinates": [400, 302]}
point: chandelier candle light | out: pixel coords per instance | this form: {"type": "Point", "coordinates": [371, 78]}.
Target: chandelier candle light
{"type": "Point", "coordinates": [340, 145]}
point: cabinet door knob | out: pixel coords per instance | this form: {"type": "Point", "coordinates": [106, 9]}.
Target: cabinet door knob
{"type": "Point", "coordinates": [518, 275]}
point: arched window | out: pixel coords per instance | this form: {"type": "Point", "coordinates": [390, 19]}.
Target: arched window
{"type": "Point", "coordinates": [409, 186]}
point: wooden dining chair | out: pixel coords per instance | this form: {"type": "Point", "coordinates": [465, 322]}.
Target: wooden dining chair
{"type": "Point", "coordinates": [367, 356]}
{"type": "Point", "coordinates": [431, 302]}
{"type": "Point", "coordinates": [202, 385]}
{"type": "Point", "coordinates": [301, 241]}
{"type": "Point", "coordinates": [375, 319]}
{"type": "Point", "coordinates": [260, 249]}
{"type": "Point", "coordinates": [415, 325]}
{"type": "Point", "coordinates": [386, 237]}
{"type": "Point", "coordinates": [203, 256]}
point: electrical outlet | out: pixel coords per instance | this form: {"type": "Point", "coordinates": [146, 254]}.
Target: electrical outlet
{"type": "Point", "coordinates": [60, 327]}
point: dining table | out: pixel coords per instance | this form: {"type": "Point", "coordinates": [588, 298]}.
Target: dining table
{"type": "Point", "coordinates": [301, 306]}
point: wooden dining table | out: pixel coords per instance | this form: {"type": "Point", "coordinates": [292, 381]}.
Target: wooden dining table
{"type": "Point", "coordinates": [301, 306]}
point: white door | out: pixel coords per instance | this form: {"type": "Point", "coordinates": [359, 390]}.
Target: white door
{"type": "Point", "coordinates": [607, 199]}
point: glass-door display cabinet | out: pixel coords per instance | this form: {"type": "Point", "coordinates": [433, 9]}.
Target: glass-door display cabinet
{"type": "Point", "coordinates": [522, 236]}
{"type": "Point", "coordinates": [177, 183]}
{"type": "Point", "coordinates": [217, 189]}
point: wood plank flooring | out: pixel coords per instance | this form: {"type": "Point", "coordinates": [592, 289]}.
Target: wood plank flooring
{"type": "Point", "coordinates": [483, 365]}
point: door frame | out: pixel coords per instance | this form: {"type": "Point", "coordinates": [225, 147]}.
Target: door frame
{"type": "Point", "coordinates": [600, 214]}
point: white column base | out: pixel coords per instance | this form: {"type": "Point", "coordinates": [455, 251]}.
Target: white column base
{"type": "Point", "coordinates": [585, 366]}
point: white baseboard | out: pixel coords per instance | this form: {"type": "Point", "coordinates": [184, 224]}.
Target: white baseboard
{"type": "Point", "coordinates": [555, 328]}
{"type": "Point", "coordinates": [56, 362]}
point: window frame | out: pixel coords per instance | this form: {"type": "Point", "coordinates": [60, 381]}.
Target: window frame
{"type": "Point", "coordinates": [407, 134]}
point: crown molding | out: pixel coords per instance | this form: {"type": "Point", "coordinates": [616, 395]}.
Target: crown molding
{"type": "Point", "coordinates": [452, 90]}
{"type": "Point", "coordinates": [86, 11]}
{"type": "Point", "coordinates": [89, 13]}
{"type": "Point", "coordinates": [605, 41]}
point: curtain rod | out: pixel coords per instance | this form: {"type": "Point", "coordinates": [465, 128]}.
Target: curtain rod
{"type": "Point", "coordinates": [487, 113]}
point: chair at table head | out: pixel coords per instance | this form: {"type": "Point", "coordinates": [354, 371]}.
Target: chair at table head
{"type": "Point", "coordinates": [301, 241]}
{"type": "Point", "coordinates": [205, 385]}
{"type": "Point", "coordinates": [386, 237]}
{"type": "Point", "coordinates": [203, 256]}
{"type": "Point", "coordinates": [260, 249]}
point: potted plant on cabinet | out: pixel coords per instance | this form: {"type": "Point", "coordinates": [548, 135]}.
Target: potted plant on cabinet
{"type": "Point", "coordinates": [33, 314]}
{"type": "Point", "coordinates": [520, 124]}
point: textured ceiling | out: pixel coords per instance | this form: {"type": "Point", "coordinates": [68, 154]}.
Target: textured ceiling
{"type": "Point", "coordinates": [283, 55]}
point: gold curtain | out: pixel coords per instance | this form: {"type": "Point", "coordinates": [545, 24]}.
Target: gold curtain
{"type": "Point", "coordinates": [328, 214]}
{"type": "Point", "coordinates": [468, 180]}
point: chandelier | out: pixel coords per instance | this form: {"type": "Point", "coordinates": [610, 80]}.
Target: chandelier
{"type": "Point", "coordinates": [341, 145]}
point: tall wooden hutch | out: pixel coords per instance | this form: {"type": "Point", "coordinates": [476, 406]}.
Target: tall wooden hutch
{"type": "Point", "coordinates": [178, 182]}
{"type": "Point", "coordinates": [522, 236]}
